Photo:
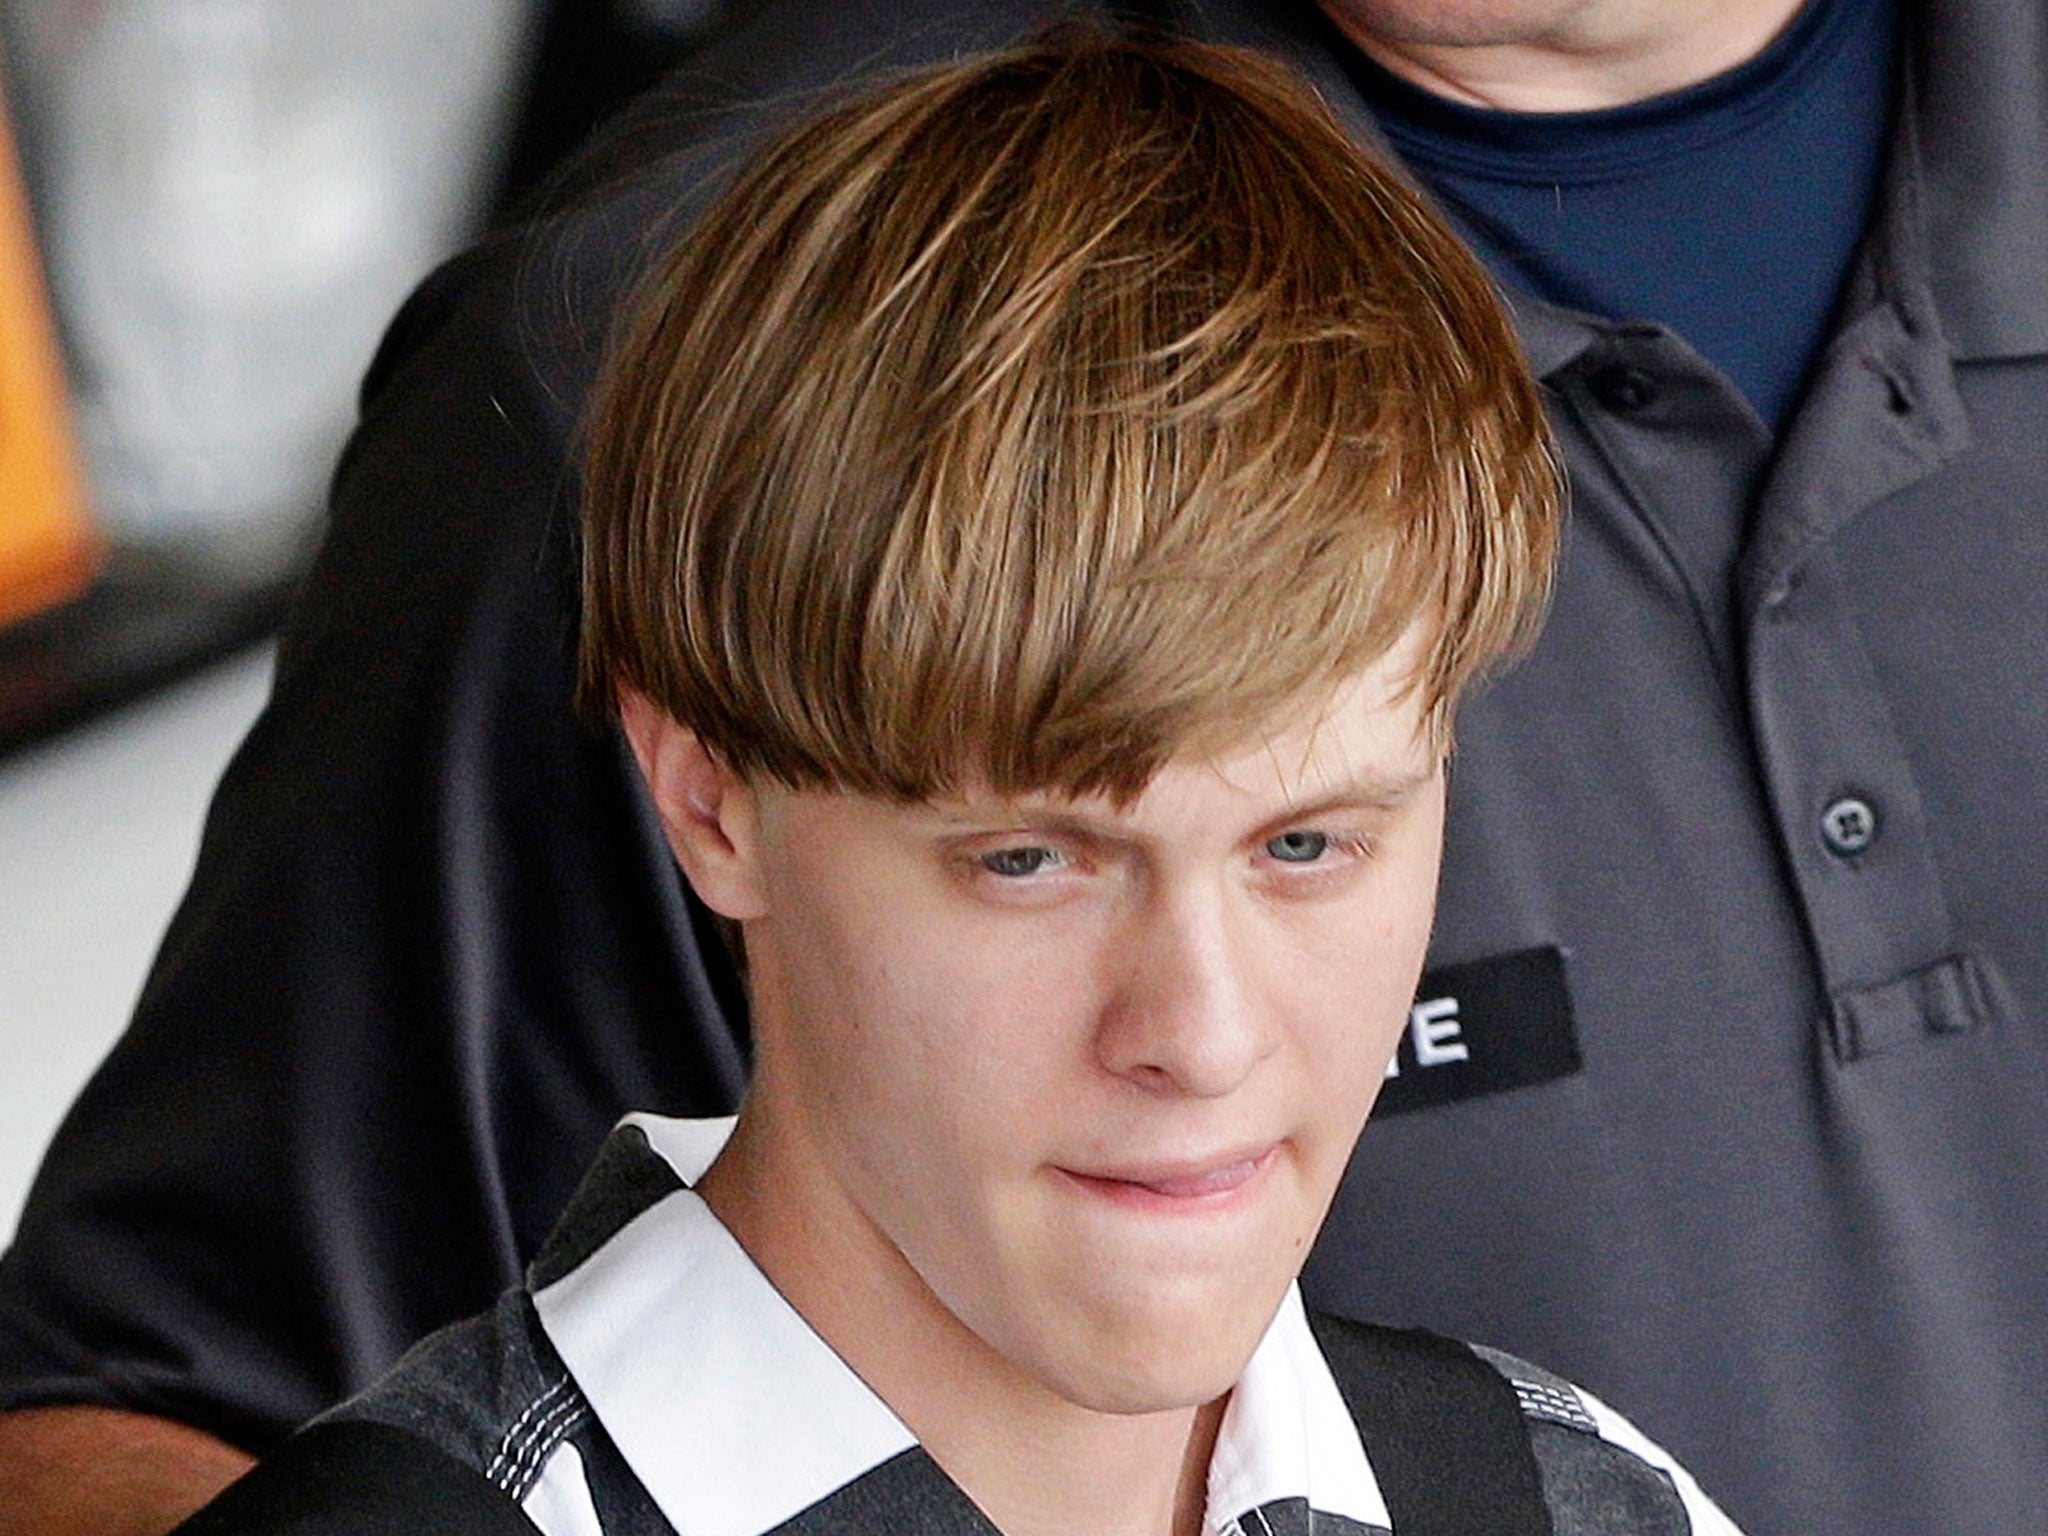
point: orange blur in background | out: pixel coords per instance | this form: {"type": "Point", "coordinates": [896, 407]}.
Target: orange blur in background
{"type": "Point", "coordinates": [48, 549]}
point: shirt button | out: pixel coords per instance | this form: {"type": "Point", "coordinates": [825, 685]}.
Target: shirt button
{"type": "Point", "coordinates": [1848, 826]}
{"type": "Point", "coordinates": [1621, 388]}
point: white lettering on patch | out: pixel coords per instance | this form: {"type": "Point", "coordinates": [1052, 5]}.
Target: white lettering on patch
{"type": "Point", "coordinates": [1436, 1034]}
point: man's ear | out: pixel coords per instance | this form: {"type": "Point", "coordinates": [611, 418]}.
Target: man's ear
{"type": "Point", "coordinates": [709, 812]}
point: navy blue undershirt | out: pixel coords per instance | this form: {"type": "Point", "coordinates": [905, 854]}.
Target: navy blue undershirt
{"type": "Point", "coordinates": [1729, 211]}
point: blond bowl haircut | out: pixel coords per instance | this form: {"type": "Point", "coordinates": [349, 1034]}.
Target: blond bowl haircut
{"type": "Point", "coordinates": [1035, 419]}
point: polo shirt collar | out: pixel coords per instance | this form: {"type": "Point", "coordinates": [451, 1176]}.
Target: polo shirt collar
{"type": "Point", "coordinates": [736, 1416]}
{"type": "Point", "coordinates": [1978, 103]}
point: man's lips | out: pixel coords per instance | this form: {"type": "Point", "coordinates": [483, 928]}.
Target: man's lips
{"type": "Point", "coordinates": [1194, 1185]}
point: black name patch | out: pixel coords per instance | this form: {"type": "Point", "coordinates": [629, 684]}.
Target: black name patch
{"type": "Point", "coordinates": [1484, 1027]}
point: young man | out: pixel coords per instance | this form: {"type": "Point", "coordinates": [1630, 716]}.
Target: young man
{"type": "Point", "coordinates": [1037, 531]}
{"type": "Point", "coordinates": [1729, 1095]}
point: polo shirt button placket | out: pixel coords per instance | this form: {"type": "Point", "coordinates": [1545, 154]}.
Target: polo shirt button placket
{"type": "Point", "coordinates": [1893, 967]}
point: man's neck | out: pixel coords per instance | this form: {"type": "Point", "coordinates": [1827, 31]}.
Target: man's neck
{"type": "Point", "coordinates": [1035, 1463]}
{"type": "Point", "coordinates": [1558, 55]}
{"type": "Point", "coordinates": [1055, 1472]}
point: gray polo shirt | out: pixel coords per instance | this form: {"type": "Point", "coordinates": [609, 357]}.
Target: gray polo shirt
{"type": "Point", "coordinates": [1762, 827]}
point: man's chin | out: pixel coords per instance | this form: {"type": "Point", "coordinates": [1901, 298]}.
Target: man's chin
{"type": "Point", "coordinates": [1135, 1395]}
{"type": "Point", "coordinates": [1159, 1365]}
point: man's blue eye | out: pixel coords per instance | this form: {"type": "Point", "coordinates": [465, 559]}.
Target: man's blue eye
{"type": "Point", "coordinates": [1298, 847]}
{"type": "Point", "coordinates": [1016, 863]}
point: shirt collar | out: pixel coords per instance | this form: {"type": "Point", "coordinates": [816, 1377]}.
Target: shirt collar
{"type": "Point", "coordinates": [1978, 110]}
{"type": "Point", "coordinates": [736, 1416]}
{"type": "Point", "coordinates": [733, 1414]}
{"type": "Point", "coordinates": [1287, 1435]}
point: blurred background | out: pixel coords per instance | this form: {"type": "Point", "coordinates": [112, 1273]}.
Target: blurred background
{"type": "Point", "coordinates": [208, 211]}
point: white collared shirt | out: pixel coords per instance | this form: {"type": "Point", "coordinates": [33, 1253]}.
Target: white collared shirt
{"type": "Point", "coordinates": [737, 1417]}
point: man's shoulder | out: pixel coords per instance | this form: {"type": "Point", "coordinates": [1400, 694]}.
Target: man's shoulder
{"type": "Point", "coordinates": [1596, 1472]}
{"type": "Point", "coordinates": [1601, 1473]}
{"type": "Point", "coordinates": [464, 1426]}
{"type": "Point", "coordinates": [488, 1392]}
{"type": "Point", "coordinates": [358, 1478]}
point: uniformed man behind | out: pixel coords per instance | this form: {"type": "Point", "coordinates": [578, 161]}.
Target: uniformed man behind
{"type": "Point", "coordinates": [1037, 529]}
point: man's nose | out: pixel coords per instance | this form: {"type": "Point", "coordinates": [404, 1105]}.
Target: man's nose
{"type": "Point", "coordinates": [1186, 1014]}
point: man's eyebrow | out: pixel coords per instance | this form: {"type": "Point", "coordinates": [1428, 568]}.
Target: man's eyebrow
{"type": "Point", "coordinates": [1019, 816]}
{"type": "Point", "coordinates": [1370, 788]}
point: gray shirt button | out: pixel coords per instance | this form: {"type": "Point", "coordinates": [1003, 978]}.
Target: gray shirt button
{"type": "Point", "coordinates": [1848, 826]}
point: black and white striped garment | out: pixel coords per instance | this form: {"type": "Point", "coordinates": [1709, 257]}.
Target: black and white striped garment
{"type": "Point", "coordinates": [650, 1381]}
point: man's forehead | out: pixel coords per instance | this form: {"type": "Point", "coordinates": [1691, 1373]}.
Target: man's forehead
{"type": "Point", "coordinates": [1367, 741]}
{"type": "Point", "coordinates": [1370, 736]}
